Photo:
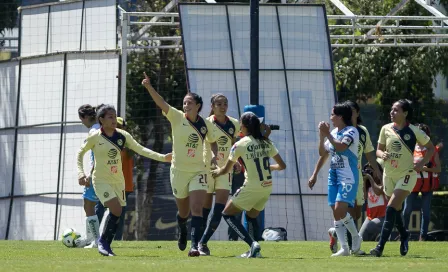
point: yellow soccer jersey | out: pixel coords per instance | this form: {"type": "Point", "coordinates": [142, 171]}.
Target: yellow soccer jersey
{"type": "Point", "coordinates": [225, 134]}
{"type": "Point", "coordinates": [107, 150]}
{"type": "Point", "coordinates": [400, 144]}
{"type": "Point", "coordinates": [365, 144]}
{"type": "Point", "coordinates": [255, 158]}
{"type": "Point", "coordinates": [188, 140]}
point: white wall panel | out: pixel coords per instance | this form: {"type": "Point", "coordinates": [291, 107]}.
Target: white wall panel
{"type": "Point", "coordinates": [34, 31]}
{"type": "Point", "coordinates": [33, 218]}
{"type": "Point", "coordinates": [91, 79]}
{"type": "Point", "coordinates": [100, 26]}
{"type": "Point", "coordinates": [6, 161]}
{"type": "Point", "coordinates": [9, 76]}
{"type": "Point", "coordinates": [41, 90]}
{"type": "Point", "coordinates": [37, 160]}
{"type": "Point", "coordinates": [65, 27]}
{"type": "Point", "coordinates": [4, 210]}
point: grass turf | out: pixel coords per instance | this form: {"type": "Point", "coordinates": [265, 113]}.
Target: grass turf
{"type": "Point", "coordinates": [164, 256]}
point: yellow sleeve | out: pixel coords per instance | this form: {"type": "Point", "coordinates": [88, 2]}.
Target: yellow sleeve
{"type": "Point", "coordinates": [421, 136]}
{"type": "Point", "coordinates": [132, 144]}
{"type": "Point", "coordinates": [88, 144]}
{"type": "Point", "coordinates": [382, 138]}
{"type": "Point", "coordinates": [235, 152]}
{"type": "Point", "coordinates": [273, 151]}
{"type": "Point", "coordinates": [211, 131]}
{"type": "Point", "coordinates": [174, 116]}
{"type": "Point", "coordinates": [369, 146]}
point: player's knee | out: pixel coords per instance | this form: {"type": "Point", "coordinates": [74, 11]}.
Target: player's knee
{"type": "Point", "coordinates": [196, 209]}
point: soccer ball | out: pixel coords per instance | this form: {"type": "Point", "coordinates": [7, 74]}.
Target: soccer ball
{"type": "Point", "coordinates": [71, 238]}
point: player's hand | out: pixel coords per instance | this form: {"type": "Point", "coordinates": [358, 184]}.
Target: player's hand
{"type": "Point", "coordinates": [418, 166]}
{"type": "Point", "coordinates": [82, 181]}
{"type": "Point", "coordinates": [312, 182]}
{"type": "Point", "coordinates": [385, 156]}
{"type": "Point", "coordinates": [146, 81]}
{"type": "Point", "coordinates": [214, 161]}
{"type": "Point", "coordinates": [168, 157]}
{"type": "Point", "coordinates": [216, 172]}
{"type": "Point", "coordinates": [237, 168]}
{"type": "Point", "coordinates": [324, 128]}
{"type": "Point", "coordinates": [87, 184]}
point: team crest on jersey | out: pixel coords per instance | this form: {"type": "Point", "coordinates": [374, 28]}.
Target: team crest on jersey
{"type": "Point", "coordinates": [120, 142]}
{"type": "Point", "coordinates": [231, 131]}
{"type": "Point", "coordinates": [106, 194]}
{"type": "Point", "coordinates": [203, 130]}
{"type": "Point", "coordinates": [407, 137]}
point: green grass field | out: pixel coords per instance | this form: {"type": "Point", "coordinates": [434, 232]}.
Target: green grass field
{"type": "Point", "coordinates": [164, 256]}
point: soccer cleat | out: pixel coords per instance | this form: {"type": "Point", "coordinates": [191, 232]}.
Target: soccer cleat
{"type": "Point", "coordinates": [404, 245]}
{"type": "Point", "coordinates": [333, 240]}
{"type": "Point", "coordinates": [104, 248]}
{"type": "Point", "coordinates": [194, 252]}
{"type": "Point", "coordinates": [254, 250]}
{"type": "Point", "coordinates": [377, 251]}
{"type": "Point", "coordinates": [93, 244]}
{"type": "Point", "coordinates": [342, 252]}
{"type": "Point", "coordinates": [359, 253]}
{"type": "Point", "coordinates": [182, 242]}
{"type": "Point", "coordinates": [356, 244]}
{"type": "Point", "coordinates": [247, 254]}
{"type": "Point", "coordinates": [204, 250]}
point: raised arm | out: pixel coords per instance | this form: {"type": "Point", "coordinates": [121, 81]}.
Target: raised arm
{"type": "Point", "coordinates": [132, 144]}
{"type": "Point", "coordinates": [160, 102]}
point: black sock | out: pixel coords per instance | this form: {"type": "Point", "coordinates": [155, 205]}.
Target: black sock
{"type": "Point", "coordinates": [238, 228]}
{"type": "Point", "coordinates": [182, 223]}
{"type": "Point", "coordinates": [388, 226]}
{"type": "Point", "coordinates": [205, 214]}
{"type": "Point", "coordinates": [252, 227]}
{"type": "Point", "coordinates": [196, 225]}
{"type": "Point", "coordinates": [214, 222]}
{"type": "Point", "coordinates": [400, 225]}
{"type": "Point", "coordinates": [110, 228]}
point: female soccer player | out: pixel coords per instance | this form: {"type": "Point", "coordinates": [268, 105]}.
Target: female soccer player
{"type": "Point", "coordinates": [87, 115]}
{"type": "Point", "coordinates": [254, 150]}
{"type": "Point", "coordinates": [343, 180]}
{"type": "Point", "coordinates": [396, 146]}
{"type": "Point", "coordinates": [188, 172]}
{"type": "Point", "coordinates": [365, 146]}
{"type": "Point", "coordinates": [426, 182]}
{"type": "Point", "coordinates": [226, 130]}
{"type": "Point", "coordinates": [107, 177]}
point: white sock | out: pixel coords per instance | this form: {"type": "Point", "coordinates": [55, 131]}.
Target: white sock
{"type": "Point", "coordinates": [89, 236]}
{"type": "Point", "coordinates": [340, 232]}
{"type": "Point", "coordinates": [93, 224]}
{"type": "Point", "coordinates": [350, 225]}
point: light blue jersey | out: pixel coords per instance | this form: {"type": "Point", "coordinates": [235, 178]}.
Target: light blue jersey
{"type": "Point", "coordinates": [89, 192]}
{"type": "Point", "coordinates": [343, 177]}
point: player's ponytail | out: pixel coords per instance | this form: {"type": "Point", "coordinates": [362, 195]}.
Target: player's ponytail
{"type": "Point", "coordinates": [356, 107]}
{"type": "Point", "coordinates": [87, 110]}
{"type": "Point", "coordinates": [253, 125]}
{"type": "Point", "coordinates": [103, 110]}
{"type": "Point", "coordinates": [213, 100]}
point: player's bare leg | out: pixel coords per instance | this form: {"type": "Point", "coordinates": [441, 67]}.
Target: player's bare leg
{"type": "Point", "coordinates": [229, 216]}
{"type": "Point", "coordinates": [183, 211]}
{"type": "Point", "coordinates": [393, 218]}
{"type": "Point", "coordinates": [220, 200]}
{"type": "Point", "coordinates": [196, 205]}
{"type": "Point", "coordinates": [110, 227]}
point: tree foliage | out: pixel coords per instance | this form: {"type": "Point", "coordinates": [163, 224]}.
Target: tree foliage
{"type": "Point", "coordinates": [8, 16]}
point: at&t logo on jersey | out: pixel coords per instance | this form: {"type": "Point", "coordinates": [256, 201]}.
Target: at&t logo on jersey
{"type": "Point", "coordinates": [193, 140]}
{"type": "Point", "coordinates": [112, 153]}
{"type": "Point", "coordinates": [222, 141]}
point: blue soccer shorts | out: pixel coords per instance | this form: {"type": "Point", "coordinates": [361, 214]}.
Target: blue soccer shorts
{"type": "Point", "coordinates": [89, 193]}
{"type": "Point", "coordinates": [341, 190]}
